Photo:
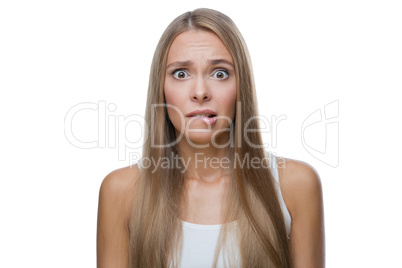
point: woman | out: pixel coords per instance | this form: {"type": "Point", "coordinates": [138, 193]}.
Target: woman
{"type": "Point", "coordinates": [206, 193]}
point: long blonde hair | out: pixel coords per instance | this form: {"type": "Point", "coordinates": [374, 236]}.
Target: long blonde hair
{"type": "Point", "coordinates": [155, 227]}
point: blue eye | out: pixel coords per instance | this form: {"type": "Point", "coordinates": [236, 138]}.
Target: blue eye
{"type": "Point", "coordinates": [221, 74]}
{"type": "Point", "coordinates": [180, 74]}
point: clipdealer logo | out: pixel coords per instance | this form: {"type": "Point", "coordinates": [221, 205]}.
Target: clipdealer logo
{"type": "Point", "coordinates": [319, 131]}
{"type": "Point", "coordinates": [320, 134]}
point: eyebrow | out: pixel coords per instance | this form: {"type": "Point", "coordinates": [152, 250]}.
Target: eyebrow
{"type": "Point", "coordinates": [219, 61]}
{"type": "Point", "coordinates": [187, 63]}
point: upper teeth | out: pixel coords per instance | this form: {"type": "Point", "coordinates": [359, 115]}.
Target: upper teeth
{"type": "Point", "coordinates": [201, 115]}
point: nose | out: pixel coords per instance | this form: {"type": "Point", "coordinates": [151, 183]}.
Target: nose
{"type": "Point", "coordinates": [200, 92]}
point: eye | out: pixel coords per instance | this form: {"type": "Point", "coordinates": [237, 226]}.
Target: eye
{"type": "Point", "coordinates": [221, 74]}
{"type": "Point", "coordinates": [180, 74]}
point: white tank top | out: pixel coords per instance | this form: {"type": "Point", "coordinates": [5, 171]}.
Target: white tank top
{"type": "Point", "coordinates": [199, 241]}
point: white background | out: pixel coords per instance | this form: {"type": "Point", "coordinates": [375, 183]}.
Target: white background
{"type": "Point", "coordinates": [306, 54]}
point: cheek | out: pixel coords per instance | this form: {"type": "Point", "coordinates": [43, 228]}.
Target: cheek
{"type": "Point", "coordinates": [229, 100]}
{"type": "Point", "coordinates": [171, 90]}
{"type": "Point", "coordinates": [174, 102]}
{"type": "Point", "coordinates": [232, 107]}
{"type": "Point", "coordinates": [169, 94]}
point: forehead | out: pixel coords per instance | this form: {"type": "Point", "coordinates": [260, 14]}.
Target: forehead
{"type": "Point", "coordinates": [194, 44]}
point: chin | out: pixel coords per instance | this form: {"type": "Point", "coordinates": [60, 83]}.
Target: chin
{"type": "Point", "coordinates": [201, 139]}
{"type": "Point", "coordinates": [206, 140]}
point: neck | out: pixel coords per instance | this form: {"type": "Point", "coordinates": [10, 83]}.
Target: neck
{"type": "Point", "coordinates": [207, 164]}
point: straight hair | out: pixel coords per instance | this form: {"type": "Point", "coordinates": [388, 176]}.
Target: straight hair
{"type": "Point", "coordinates": [155, 227]}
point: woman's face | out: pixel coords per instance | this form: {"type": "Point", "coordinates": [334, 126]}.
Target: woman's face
{"type": "Point", "coordinates": [200, 85]}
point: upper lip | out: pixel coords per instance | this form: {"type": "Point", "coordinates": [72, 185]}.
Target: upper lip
{"type": "Point", "coordinates": [205, 112]}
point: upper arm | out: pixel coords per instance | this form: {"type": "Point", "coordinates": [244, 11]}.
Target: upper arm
{"type": "Point", "coordinates": [114, 210]}
{"type": "Point", "coordinates": [302, 191]}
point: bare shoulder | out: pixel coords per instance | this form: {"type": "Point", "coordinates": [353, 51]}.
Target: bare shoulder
{"type": "Point", "coordinates": [302, 192]}
{"type": "Point", "coordinates": [114, 212]}
{"type": "Point", "coordinates": [120, 181]}
{"type": "Point", "coordinates": [118, 186]}
{"type": "Point", "coordinates": [300, 183]}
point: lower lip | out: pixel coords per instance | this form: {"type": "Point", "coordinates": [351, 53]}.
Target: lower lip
{"type": "Point", "coordinates": [206, 119]}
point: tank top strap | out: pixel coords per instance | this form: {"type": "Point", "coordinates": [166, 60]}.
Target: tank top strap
{"type": "Point", "coordinates": [273, 165]}
{"type": "Point", "coordinates": [139, 163]}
